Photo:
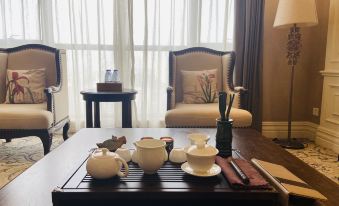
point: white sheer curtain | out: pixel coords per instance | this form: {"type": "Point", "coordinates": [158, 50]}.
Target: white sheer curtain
{"type": "Point", "coordinates": [134, 36]}
{"type": "Point", "coordinates": [97, 36]}
{"type": "Point", "coordinates": [164, 25]}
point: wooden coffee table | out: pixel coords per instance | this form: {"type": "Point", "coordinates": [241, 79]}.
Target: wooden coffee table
{"type": "Point", "coordinates": [35, 185]}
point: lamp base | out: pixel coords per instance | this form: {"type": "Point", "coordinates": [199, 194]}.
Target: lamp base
{"type": "Point", "coordinates": [289, 143]}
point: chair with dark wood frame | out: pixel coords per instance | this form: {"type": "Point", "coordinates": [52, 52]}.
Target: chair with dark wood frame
{"type": "Point", "coordinates": [201, 58]}
{"type": "Point", "coordinates": [35, 56]}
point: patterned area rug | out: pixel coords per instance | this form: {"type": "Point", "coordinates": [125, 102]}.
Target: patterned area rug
{"type": "Point", "coordinates": [20, 154]}
{"type": "Point", "coordinates": [322, 159]}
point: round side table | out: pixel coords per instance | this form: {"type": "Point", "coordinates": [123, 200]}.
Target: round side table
{"type": "Point", "coordinates": [125, 96]}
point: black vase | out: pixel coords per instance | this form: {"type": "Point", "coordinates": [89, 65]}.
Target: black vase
{"type": "Point", "coordinates": [224, 138]}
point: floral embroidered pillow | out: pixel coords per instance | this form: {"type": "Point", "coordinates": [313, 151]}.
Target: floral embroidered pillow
{"type": "Point", "coordinates": [25, 86]}
{"type": "Point", "coordinates": [199, 87]}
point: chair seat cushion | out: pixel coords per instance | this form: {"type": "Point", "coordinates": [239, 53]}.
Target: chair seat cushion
{"type": "Point", "coordinates": [203, 115]}
{"type": "Point", "coordinates": [25, 116]}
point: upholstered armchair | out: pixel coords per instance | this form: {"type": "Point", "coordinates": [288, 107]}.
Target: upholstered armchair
{"type": "Point", "coordinates": [180, 114]}
{"type": "Point", "coordinates": [39, 119]}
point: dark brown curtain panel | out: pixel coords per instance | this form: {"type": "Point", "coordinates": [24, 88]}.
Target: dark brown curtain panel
{"type": "Point", "coordinates": [249, 16]}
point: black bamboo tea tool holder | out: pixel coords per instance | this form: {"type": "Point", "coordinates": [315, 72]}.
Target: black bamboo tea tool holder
{"type": "Point", "coordinates": [224, 126]}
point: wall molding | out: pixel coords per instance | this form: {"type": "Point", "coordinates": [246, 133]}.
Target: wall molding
{"type": "Point", "coordinates": [322, 136]}
{"type": "Point", "coordinates": [330, 73]}
{"type": "Point", "coordinates": [328, 138]}
{"type": "Point", "coordinates": [300, 129]}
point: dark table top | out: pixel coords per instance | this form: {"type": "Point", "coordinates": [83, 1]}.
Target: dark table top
{"type": "Point", "coordinates": [34, 186]}
{"type": "Point", "coordinates": [95, 92]}
{"type": "Point", "coordinates": [94, 95]}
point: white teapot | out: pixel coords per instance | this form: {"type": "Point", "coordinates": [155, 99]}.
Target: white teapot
{"type": "Point", "coordinates": [103, 164]}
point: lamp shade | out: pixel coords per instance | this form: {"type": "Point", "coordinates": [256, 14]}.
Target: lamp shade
{"type": "Point", "coordinates": [300, 12]}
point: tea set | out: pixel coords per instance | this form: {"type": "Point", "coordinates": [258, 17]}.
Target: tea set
{"type": "Point", "coordinates": [198, 159]}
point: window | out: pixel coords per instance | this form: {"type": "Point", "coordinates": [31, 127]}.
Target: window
{"type": "Point", "coordinates": [20, 20]}
{"type": "Point", "coordinates": [94, 33]}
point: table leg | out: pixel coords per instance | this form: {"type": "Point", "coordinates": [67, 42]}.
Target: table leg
{"type": "Point", "coordinates": [89, 116]}
{"type": "Point", "coordinates": [97, 114]}
{"type": "Point", "coordinates": [126, 114]}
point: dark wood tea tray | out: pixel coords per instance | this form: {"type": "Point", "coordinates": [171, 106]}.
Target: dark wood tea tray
{"type": "Point", "coordinates": [170, 186]}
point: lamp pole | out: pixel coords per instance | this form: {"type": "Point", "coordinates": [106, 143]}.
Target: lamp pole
{"type": "Point", "coordinates": [290, 105]}
{"type": "Point", "coordinates": [293, 53]}
{"type": "Point", "coordinates": [289, 15]}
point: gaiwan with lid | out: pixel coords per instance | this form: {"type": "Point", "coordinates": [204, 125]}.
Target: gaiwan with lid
{"type": "Point", "coordinates": [201, 157]}
{"type": "Point", "coordinates": [103, 164]}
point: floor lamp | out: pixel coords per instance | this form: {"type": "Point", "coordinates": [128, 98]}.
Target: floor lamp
{"type": "Point", "coordinates": [294, 14]}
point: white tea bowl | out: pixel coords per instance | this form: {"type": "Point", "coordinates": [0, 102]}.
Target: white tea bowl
{"type": "Point", "coordinates": [201, 157]}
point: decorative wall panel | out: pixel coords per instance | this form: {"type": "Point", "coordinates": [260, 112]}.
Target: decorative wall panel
{"type": "Point", "coordinates": [328, 131]}
{"type": "Point", "coordinates": [333, 50]}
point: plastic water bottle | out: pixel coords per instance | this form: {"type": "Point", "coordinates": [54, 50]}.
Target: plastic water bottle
{"type": "Point", "coordinates": [115, 77]}
{"type": "Point", "coordinates": [108, 76]}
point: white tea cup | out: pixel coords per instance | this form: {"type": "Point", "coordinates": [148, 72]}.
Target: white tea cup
{"type": "Point", "coordinates": [124, 153]}
{"type": "Point", "coordinates": [135, 156]}
{"type": "Point", "coordinates": [194, 137]}
{"type": "Point", "coordinates": [177, 155]}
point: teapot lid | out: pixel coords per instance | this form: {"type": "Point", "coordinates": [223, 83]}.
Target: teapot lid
{"type": "Point", "coordinates": [103, 153]}
{"type": "Point", "coordinates": [202, 149]}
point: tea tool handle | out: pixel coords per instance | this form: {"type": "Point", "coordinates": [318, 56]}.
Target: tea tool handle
{"type": "Point", "coordinates": [240, 173]}
{"type": "Point", "coordinates": [222, 105]}
{"type": "Point", "coordinates": [122, 174]}
{"type": "Point", "coordinates": [229, 106]}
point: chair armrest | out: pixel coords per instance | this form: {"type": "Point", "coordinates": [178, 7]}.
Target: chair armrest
{"type": "Point", "coordinates": [169, 97]}
{"type": "Point", "coordinates": [57, 96]}
{"type": "Point", "coordinates": [48, 91]}
{"type": "Point", "coordinates": [57, 103]}
{"type": "Point", "coordinates": [242, 95]}
{"type": "Point", "coordinates": [52, 89]}
{"type": "Point", "coordinates": [240, 89]}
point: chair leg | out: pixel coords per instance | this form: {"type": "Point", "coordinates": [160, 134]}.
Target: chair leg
{"type": "Point", "coordinates": [65, 131]}
{"type": "Point", "coordinates": [8, 140]}
{"type": "Point", "coordinates": [46, 140]}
